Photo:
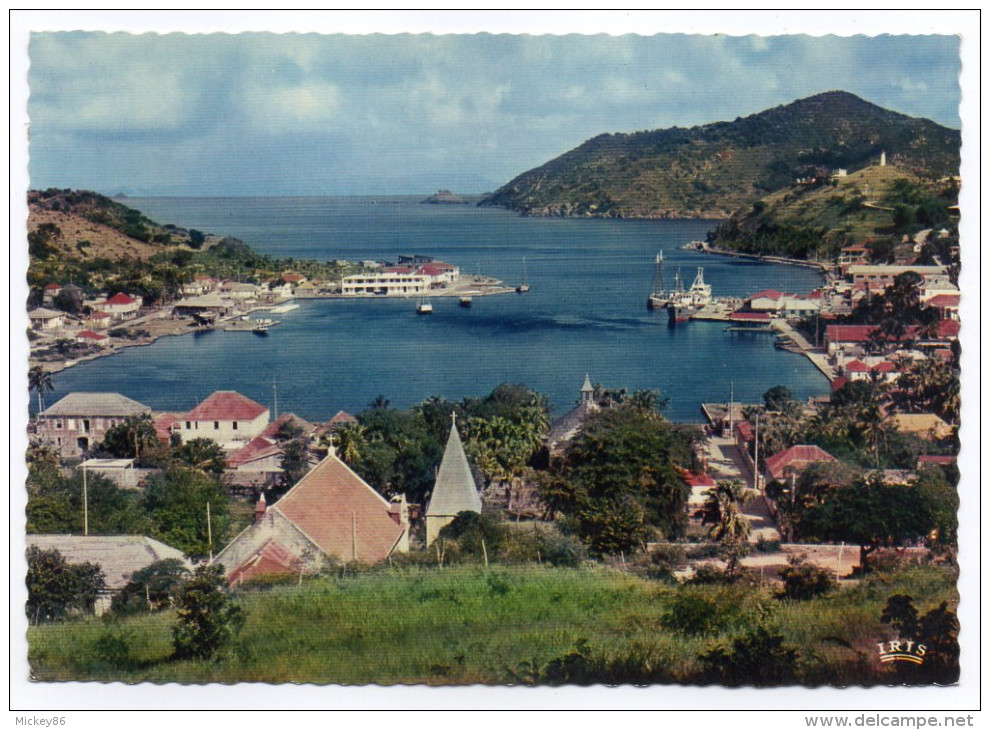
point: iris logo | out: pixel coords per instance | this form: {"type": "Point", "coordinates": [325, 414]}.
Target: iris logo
{"type": "Point", "coordinates": [901, 651]}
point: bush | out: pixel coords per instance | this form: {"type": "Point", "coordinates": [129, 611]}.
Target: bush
{"type": "Point", "coordinates": [664, 560]}
{"type": "Point", "coordinates": [767, 546]}
{"type": "Point", "coordinates": [803, 581]}
{"type": "Point", "coordinates": [112, 649]}
{"type": "Point", "coordinates": [152, 588]}
{"type": "Point", "coordinates": [758, 658]}
{"type": "Point", "coordinates": [208, 617]}
{"type": "Point", "coordinates": [698, 614]}
{"type": "Point", "coordinates": [561, 551]}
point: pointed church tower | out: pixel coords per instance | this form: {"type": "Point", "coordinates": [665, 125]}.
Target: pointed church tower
{"type": "Point", "coordinates": [587, 391]}
{"type": "Point", "coordinates": [455, 490]}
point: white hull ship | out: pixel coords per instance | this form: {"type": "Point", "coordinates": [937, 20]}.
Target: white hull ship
{"type": "Point", "coordinates": [683, 304]}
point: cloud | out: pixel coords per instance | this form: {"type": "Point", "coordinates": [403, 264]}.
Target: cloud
{"type": "Point", "coordinates": [265, 112]}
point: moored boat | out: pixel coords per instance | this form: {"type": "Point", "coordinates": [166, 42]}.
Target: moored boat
{"type": "Point", "coordinates": [465, 302]}
{"type": "Point", "coordinates": [424, 306]}
{"type": "Point", "coordinates": [524, 286]}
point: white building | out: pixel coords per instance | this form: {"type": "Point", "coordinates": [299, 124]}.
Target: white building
{"type": "Point", "coordinates": [227, 417]}
{"type": "Point", "coordinates": [393, 283]}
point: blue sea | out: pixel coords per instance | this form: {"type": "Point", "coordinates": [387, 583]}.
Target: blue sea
{"type": "Point", "coordinates": [585, 313]}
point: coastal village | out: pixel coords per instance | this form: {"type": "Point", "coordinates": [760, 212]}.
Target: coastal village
{"type": "Point", "coordinates": [780, 492]}
{"type": "Point", "coordinates": [331, 513]}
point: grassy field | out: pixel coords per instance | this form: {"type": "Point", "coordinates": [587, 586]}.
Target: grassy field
{"type": "Point", "coordinates": [519, 625]}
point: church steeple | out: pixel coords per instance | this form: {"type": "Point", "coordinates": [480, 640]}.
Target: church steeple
{"type": "Point", "coordinates": [455, 490]}
{"type": "Point", "coordinates": [587, 390]}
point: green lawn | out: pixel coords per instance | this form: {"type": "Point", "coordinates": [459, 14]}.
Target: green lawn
{"type": "Point", "coordinates": [504, 625]}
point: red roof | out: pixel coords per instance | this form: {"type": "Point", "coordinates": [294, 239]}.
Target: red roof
{"type": "Point", "coordinates": [397, 270]}
{"type": "Point", "coordinates": [745, 430]}
{"type": "Point", "coordinates": [99, 315]}
{"type": "Point", "coordinates": [121, 298]}
{"type": "Point", "coordinates": [767, 294]}
{"type": "Point", "coordinates": [885, 366]}
{"type": "Point", "coordinates": [430, 271]}
{"type": "Point", "coordinates": [698, 480]}
{"type": "Point", "coordinates": [796, 457]}
{"type": "Point", "coordinates": [163, 423]}
{"type": "Point", "coordinates": [90, 335]}
{"type": "Point", "coordinates": [257, 448]}
{"type": "Point", "coordinates": [857, 366]}
{"type": "Point", "coordinates": [340, 513]}
{"type": "Point", "coordinates": [292, 278]}
{"type": "Point", "coordinates": [948, 328]}
{"type": "Point", "coordinates": [750, 317]}
{"type": "Point", "coordinates": [944, 300]}
{"type": "Point", "coordinates": [226, 405]}
{"type": "Point", "coordinates": [855, 247]}
{"type": "Point", "coordinates": [839, 382]}
{"type": "Point", "coordinates": [934, 459]}
{"type": "Point", "coordinates": [51, 287]}
{"type": "Point", "coordinates": [271, 558]}
{"type": "Point", "coordinates": [273, 428]}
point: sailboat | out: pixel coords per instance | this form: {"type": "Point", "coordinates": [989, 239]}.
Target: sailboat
{"type": "Point", "coordinates": [683, 304]}
{"type": "Point", "coordinates": [424, 306]}
{"type": "Point", "coordinates": [659, 297]}
{"type": "Point", "coordinates": [524, 287]}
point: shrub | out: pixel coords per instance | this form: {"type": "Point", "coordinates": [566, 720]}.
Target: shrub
{"type": "Point", "coordinates": [561, 551]}
{"type": "Point", "coordinates": [698, 614]}
{"type": "Point", "coordinates": [208, 617]}
{"type": "Point", "coordinates": [664, 560]}
{"type": "Point", "coordinates": [803, 581]}
{"type": "Point", "coordinates": [113, 649]}
{"type": "Point", "coordinates": [759, 658]}
{"type": "Point", "coordinates": [763, 545]}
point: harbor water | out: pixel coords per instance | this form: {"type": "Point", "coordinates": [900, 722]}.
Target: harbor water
{"type": "Point", "coordinates": [585, 313]}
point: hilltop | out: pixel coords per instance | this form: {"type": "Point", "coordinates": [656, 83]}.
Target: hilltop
{"type": "Point", "coordinates": [713, 170]}
{"type": "Point", "coordinates": [816, 217]}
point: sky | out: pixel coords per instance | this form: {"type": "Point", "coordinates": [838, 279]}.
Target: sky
{"type": "Point", "coordinates": [309, 114]}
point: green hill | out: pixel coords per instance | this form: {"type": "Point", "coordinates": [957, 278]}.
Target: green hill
{"type": "Point", "coordinates": [816, 218]}
{"type": "Point", "coordinates": [712, 170]}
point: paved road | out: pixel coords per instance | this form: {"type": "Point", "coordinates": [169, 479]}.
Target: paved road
{"type": "Point", "coordinates": [725, 462]}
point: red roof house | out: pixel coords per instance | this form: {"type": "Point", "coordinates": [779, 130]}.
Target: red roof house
{"type": "Point", "coordinates": [330, 514]}
{"type": "Point", "coordinates": [794, 460]}
{"type": "Point", "coordinates": [226, 417]}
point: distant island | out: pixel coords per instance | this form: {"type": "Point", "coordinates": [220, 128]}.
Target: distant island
{"type": "Point", "coordinates": [445, 197]}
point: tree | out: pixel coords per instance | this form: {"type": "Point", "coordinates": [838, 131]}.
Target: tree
{"type": "Point", "coordinates": [722, 511]}
{"type": "Point", "coordinates": [175, 502]}
{"type": "Point", "coordinates": [55, 503]}
{"type": "Point", "coordinates": [40, 381]}
{"type": "Point", "coordinates": [208, 616]}
{"type": "Point", "coordinates": [779, 398]}
{"type": "Point", "coordinates": [56, 588]}
{"type": "Point", "coordinates": [152, 588]}
{"type": "Point", "coordinates": [871, 514]}
{"type": "Point", "coordinates": [133, 439]}
{"type": "Point", "coordinates": [204, 454]}
{"type": "Point", "coordinates": [294, 462]}
{"type": "Point", "coordinates": [620, 481]}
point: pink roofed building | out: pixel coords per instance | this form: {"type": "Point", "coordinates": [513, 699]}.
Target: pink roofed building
{"type": "Point", "coordinates": [331, 514]}
{"type": "Point", "coordinates": [793, 461]}
{"type": "Point", "coordinates": [227, 417]}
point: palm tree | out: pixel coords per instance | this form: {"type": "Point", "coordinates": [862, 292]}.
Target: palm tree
{"type": "Point", "coordinates": [351, 439]}
{"type": "Point", "coordinates": [40, 380]}
{"type": "Point", "coordinates": [722, 510]}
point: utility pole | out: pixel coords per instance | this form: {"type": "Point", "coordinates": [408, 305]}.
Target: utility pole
{"type": "Point", "coordinates": [85, 505]}
{"type": "Point", "coordinates": [756, 455]}
{"type": "Point", "coordinates": [275, 394]}
{"type": "Point", "coordinates": [209, 531]}
{"type": "Point", "coordinates": [731, 397]}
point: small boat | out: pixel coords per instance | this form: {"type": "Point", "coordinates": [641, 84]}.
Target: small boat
{"type": "Point", "coordinates": [465, 302]}
{"type": "Point", "coordinates": [524, 286]}
{"type": "Point", "coordinates": [424, 306]}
